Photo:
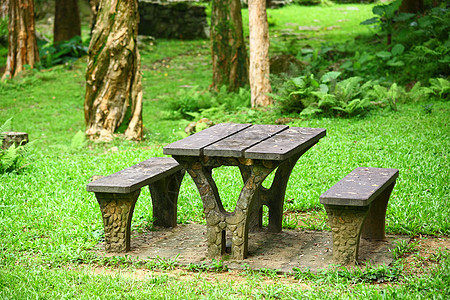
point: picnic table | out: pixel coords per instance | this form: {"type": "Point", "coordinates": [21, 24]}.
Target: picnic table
{"type": "Point", "coordinates": [256, 150]}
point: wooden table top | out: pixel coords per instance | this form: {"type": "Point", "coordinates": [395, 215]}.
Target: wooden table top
{"type": "Point", "coordinates": [267, 142]}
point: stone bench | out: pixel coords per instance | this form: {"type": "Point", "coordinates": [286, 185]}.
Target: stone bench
{"type": "Point", "coordinates": [356, 206]}
{"type": "Point", "coordinates": [117, 195]}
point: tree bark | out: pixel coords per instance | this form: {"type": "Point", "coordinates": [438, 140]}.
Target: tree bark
{"type": "Point", "coordinates": [113, 75]}
{"type": "Point", "coordinates": [67, 20]}
{"type": "Point", "coordinates": [259, 54]}
{"type": "Point", "coordinates": [4, 9]}
{"type": "Point", "coordinates": [22, 47]}
{"type": "Point", "coordinates": [94, 11]}
{"type": "Point", "coordinates": [229, 55]}
{"type": "Point", "coordinates": [411, 6]}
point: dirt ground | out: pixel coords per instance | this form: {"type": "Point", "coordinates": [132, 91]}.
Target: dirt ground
{"type": "Point", "coordinates": [281, 252]}
{"type": "Point", "coordinates": [304, 249]}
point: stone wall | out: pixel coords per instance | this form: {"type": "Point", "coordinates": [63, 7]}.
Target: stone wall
{"type": "Point", "coordinates": [173, 20]}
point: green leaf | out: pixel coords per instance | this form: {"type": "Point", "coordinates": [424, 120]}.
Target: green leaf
{"type": "Point", "coordinates": [370, 21]}
{"type": "Point", "coordinates": [330, 76]}
{"type": "Point", "coordinates": [404, 16]}
{"type": "Point", "coordinates": [384, 54]}
{"type": "Point", "coordinates": [324, 88]}
{"type": "Point", "coordinates": [398, 49]}
{"type": "Point", "coordinates": [310, 111]}
{"type": "Point", "coordinates": [379, 10]}
{"type": "Point", "coordinates": [392, 8]}
{"type": "Point", "coordinates": [395, 63]}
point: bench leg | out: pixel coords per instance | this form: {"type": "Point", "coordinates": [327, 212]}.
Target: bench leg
{"type": "Point", "coordinates": [375, 222]}
{"type": "Point", "coordinates": [346, 224]}
{"type": "Point", "coordinates": [164, 194]}
{"type": "Point", "coordinates": [117, 211]}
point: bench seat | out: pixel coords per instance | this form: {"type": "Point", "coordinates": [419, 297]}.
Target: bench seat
{"type": "Point", "coordinates": [356, 206]}
{"type": "Point", "coordinates": [117, 195]}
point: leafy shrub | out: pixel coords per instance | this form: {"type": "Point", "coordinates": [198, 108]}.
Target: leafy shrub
{"type": "Point", "coordinates": [195, 104]}
{"type": "Point", "coordinates": [421, 45]}
{"type": "Point", "coordinates": [67, 51]}
{"type": "Point", "coordinates": [310, 96]}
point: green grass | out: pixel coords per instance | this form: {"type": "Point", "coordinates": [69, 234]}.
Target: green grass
{"type": "Point", "coordinates": [49, 223]}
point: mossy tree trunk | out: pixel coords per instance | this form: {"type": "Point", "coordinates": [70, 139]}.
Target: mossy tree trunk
{"type": "Point", "coordinates": [67, 20]}
{"type": "Point", "coordinates": [259, 54]}
{"type": "Point", "coordinates": [22, 47]}
{"type": "Point", "coordinates": [229, 55]}
{"type": "Point", "coordinates": [113, 76]}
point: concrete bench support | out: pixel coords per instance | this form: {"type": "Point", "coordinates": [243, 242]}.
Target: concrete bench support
{"type": "Point", "coordinates": [117, 195]}
{"type": "Point", "coordinates": [10, 138]}
{"type": "Point", "coordinates": [356, 206]}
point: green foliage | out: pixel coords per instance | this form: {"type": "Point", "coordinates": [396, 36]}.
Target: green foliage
{"type": "Point", "coordinates": [386, 15]}
{"type": "Point", "coordinates": [162, 263]}
{"type": "Point", "coordinates": [194, 104]}
{"type": "Point", "coordinates": [377, 274]}
{"type": "Point", "coordinates": [78, 141]}
{"type": "Point", "coordinates": [215, 266]}
{"type": "Point", "coordinates": [421, 47]}
{"type": "Point", "coordinates": [403, 247]}
{"type": "Point", "coordinates": [61, 53]}
{"type": "Point", "coordinates": [328, 96]}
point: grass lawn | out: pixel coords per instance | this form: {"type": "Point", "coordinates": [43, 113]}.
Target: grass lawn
{"type": "Point", "coordinates": [49, 223]}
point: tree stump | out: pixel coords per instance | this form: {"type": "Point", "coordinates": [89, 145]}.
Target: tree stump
{"type": "Point", "coordinates": [16, 138]}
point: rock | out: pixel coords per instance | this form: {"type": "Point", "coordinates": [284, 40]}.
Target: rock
{"type": "Point", "coordinates": [16, 138]}
{"type": "Point", "coordinates": [285, 63]}
{"type": "Point", "coordinates": [172, 20]}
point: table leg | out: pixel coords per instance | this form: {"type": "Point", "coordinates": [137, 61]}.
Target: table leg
{"type": "Point", "coordinates": [273, 197]}
{"type": "Point", "coordinates": [217, 218]}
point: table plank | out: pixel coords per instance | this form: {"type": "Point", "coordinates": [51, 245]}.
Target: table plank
{"type": "Point", "coordinates": [285, 144]}
{"type": "Point", "coordinates": [234, 146]}
{"type": "Point", "coordinates": [193, 145]}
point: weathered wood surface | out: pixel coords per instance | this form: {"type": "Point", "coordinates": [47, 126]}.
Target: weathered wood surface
{"type": "Point", "coordinates": [285, 144]}
{"type": "Point", "coordinates": [135, 177]}
{"type": "Point", "coordinates": [193, 145]}
{"type": "Point", "coordinates": [268, 142]}
{"type": "Point", "coordinates": [360, 187]}
{"type": "Point", "coordinates": [235, 145]}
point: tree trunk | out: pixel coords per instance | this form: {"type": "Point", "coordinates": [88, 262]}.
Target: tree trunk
{"type": "Point", "coordinates": [229, 56]}
{"type": "Point", "coordinates": [94, 11]}
{"type": "Point", "coordinates": [411, 6]}
{"type": "Point", "coordinates": [259, 54]}
{"type": "Point", "coordinates": [113, 75]}
{"type": "Point", "coordinates": [22, 47]}
{"type": "Point", "coordinates": [4, 9]}
{"type": "Point", "coordinates": [67, 20]}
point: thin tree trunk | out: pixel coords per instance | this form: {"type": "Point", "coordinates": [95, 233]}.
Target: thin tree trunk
{"type": "Point", "coordinates": [259, 54]}
{"type": "Point", "coordinates": [22, 47]}
{"type": "Point", "coordinates": [67, 20]}
{"type": "Point", "coordinates": [113, 75]}
{"type": "Point", "coordinates": [4, 9]}
{"type": "Point", "coordinates": [229, 56]}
